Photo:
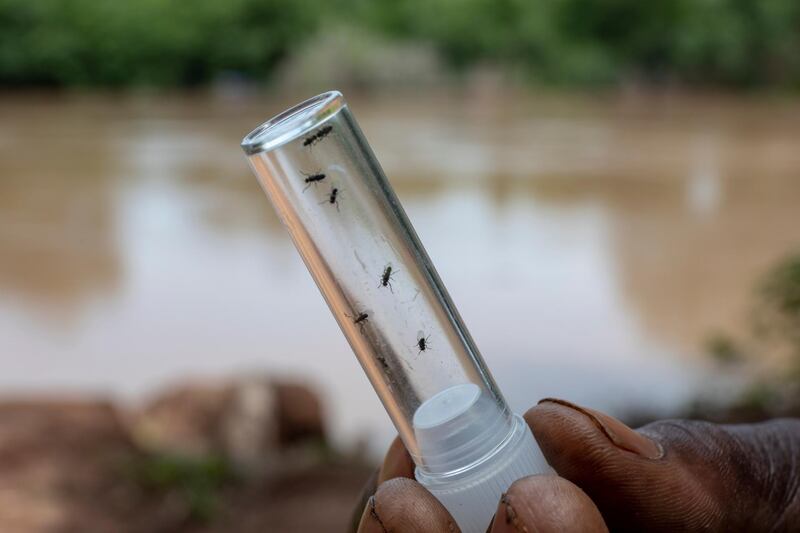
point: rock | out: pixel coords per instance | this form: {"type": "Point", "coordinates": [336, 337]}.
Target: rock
{"type": "Point", "coordinates": [299, 412]}
{"type": "Point", "coordinates": [249, 424]}
{"type": "Point", "coordinates": [182, 421]}
{"type": "Point", "coordinates": [249, 420]}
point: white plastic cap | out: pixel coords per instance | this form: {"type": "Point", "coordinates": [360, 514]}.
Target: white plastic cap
{"type": "Point", "coordinates": [471, 455]}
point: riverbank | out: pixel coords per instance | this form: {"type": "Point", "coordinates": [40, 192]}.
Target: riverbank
{"type": "Point", "coordinates": [246, 454]}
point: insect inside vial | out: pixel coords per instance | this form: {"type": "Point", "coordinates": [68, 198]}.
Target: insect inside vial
{"type": "Point", "coordinates": [313, 179]}
{"type": "Point", "coordinates": [386, 278]}
{"type": "Point", "coordinates": [318, 136]}
{"type": "Point", "coordinates": [423, 342]}
{"type": "Point", "coordinates": [323, 132]}
{"type": "Point", "coordinates": [333, 198]}
{"type": "Point", "coordinates": [360, 319]}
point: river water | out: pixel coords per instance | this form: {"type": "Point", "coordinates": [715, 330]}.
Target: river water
{"type": "Point", "coordinates": [591, 243]}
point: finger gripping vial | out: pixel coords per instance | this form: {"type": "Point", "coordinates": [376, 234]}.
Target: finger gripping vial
{"type": "Point", "coordinates": [467, 445]}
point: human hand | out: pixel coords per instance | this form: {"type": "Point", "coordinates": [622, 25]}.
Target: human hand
{"type": "Point", "coordinates": [672, 475]}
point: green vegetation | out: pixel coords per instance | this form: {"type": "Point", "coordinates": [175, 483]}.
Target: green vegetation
{"type": "Point", "coordinates": [781, 294]}
{"type": "Point", "coordinates": [776, 332]}
{"type": "Point", "coordinates": [196, 481]}
{"type": "Point", "coordinates": [166, 42]}
{"type": "Point", "coordinates": [723, 349]}
{"type": "Point", "coordinates": [741, 42]}
{"type": "Point", "coordinates": [144, 42]}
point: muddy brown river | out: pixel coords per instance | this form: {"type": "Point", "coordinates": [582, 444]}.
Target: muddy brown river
{"type": "Point", "coordinates": [591, 243]}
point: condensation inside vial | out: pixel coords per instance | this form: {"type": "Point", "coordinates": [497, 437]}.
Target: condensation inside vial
{"type": "Point", "coordinates": [345, 220]}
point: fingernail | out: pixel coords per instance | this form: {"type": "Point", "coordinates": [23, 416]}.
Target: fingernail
{"type": "Point", "coordinates": [371, 521]}
{"type": "Point", "coordinates": [618, 433]}
{"type": "Point", "coordinates": [511, 517]}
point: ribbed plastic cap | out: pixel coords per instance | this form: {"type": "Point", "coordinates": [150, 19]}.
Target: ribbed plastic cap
{"type": "Point", "coordinates": [459, 426]}
{"type": "Point", "coordinates": [471, 495]}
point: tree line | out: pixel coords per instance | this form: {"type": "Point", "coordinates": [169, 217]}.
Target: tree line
{"type": "Point", "coordinates": [736, 43]}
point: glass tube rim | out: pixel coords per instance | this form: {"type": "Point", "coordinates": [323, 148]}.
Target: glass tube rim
{"type": "Point", "coordinates": [292, 123]}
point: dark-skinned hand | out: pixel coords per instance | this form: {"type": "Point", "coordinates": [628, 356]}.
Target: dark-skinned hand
{"type": "Point", "coordinates": [672, 475]}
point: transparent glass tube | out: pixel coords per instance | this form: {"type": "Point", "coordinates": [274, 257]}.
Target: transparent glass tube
{"type": "Point", "coordinates": [346, 222]}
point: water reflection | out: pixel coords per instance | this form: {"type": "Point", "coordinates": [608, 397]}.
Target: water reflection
{"type": "Point", "coordinates": [57, 223]}
{"type": "Point", "coordinates": [591, 244]}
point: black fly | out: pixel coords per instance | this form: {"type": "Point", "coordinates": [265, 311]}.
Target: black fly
{"type": "Point", "coordinates": [360, 319]}
{"type": "Point", "coordinates": [318, 136]}
{"type": "Point", "coordinates": [312, 179]}
{"type": "Point", "coordinates": [386, 278]}
{"type": "Point", "coordinates": [323, 132]}
{"type": "Point", "coordinates": [423, 342]}
{"type": "Point", "coordinates": [310, 140]}
{"type": "Point", "coordinates": [333, 198]}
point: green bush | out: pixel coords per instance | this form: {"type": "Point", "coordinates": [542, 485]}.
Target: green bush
{"type": "Point", "coordinates": [197, 482]}
{"type": "Point", "coordinates": [726, 42]}
{"type": "Point", "coordinates": [169, 42]}
{"type": "Point", "coordinates": [153, 42]}
{"type": "Point", "coordinates": [779, 313]}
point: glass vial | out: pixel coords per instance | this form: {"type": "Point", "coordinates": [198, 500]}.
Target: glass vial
{"type": "Point", "coordinates": [345, 220]}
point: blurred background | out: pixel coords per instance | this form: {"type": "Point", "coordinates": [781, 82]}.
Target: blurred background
{"type": "Point", "coordinates": [610, 190]}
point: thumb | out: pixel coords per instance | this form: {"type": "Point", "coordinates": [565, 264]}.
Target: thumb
{"type": "Point", "coordinates": [675, 475]}
{"type": "Point", "coordinates": [402, 504]}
